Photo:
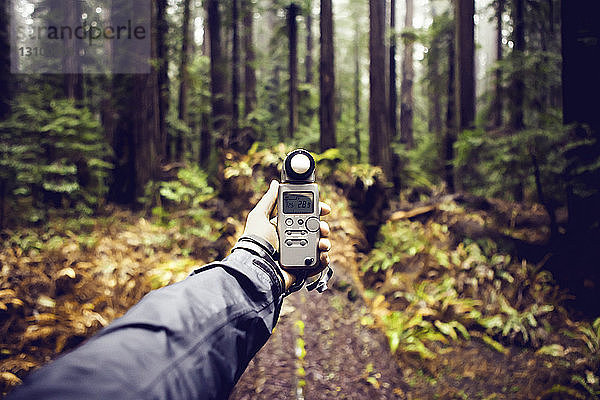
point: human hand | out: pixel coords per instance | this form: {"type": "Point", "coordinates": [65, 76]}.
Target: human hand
{"type": "Point", "coordinates": [259, 223]}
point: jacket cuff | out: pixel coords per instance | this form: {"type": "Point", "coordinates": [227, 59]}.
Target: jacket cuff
{"type": "Point", "coordinates": [266, 261]}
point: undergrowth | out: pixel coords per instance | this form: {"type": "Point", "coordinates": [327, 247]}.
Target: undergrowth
{"type": "Point", "coordinates": [430, 290]}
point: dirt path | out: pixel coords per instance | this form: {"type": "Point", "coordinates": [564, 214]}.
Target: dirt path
{"type": "Point", "coordinates": [320, 350]}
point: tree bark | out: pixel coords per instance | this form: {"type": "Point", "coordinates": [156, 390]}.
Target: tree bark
{"type": "Point", "coordinates": [357, 76]}
{"type": "Point", "coordinates": [406, 96]}
{"type": "Point", "coordinates": [145, 127]}
{"type": "Point", "coordinates": [73, 77]}
{"type": "Point", "coordinates": [137, 130]}
{"type": "Point", "coordinates": [435, 101]}
{"type": "Point", "coordinates": [184, 79]}
{"type": "Point", "coordinates": [308, 59]}
{"type": "Point", "coordinates": [465, 40]}
{"type": "Point", "coordinates": [163, 75]}
{"type": "Point", "coordinates": [292, 26]}
{"type": "Point", "coordinates": [518, 86]}
{"type": "Point", "coordinates": [217, 74]}
{"type": "Point", "coordinates": [235, 70]}
{"type": "Point", "coordinates": [393, 89]}
{"type": "Point", "coordinates": [450, 134]}
{"type": "Point", "coordinates": [379, 143]}
{"type": "Point", "coordinates": [249, 57]}
{"type": "Point", "coordinates": [497, 106]}
{"type": "Point", "coordinates": [517, 122]}
{"type": "Point", "coordinates": [581, 83]}
{"type": "Point", "coordinates": [6, 85]}
{"type": "Point", "coordinates": [327, 79]}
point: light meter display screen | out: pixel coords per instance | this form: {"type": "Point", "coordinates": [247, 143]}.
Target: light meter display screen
{"type": "Point", "coordinates": [297, 203]}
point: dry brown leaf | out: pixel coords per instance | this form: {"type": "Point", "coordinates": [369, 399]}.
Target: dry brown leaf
{"type": "Point", "coordinates": [7, 293]}
{"type": "Point", "coordinates": [35, 332]}
{"type": "Point", "coordinates": [44, 317]}
{"type": "Point", "coordinates": [70, 272]}
{"type": "Point", "coordinates": [10, 378]}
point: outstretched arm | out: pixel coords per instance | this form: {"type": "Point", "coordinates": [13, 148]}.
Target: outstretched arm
{"type": "Point", "coordinates": [190, 340]}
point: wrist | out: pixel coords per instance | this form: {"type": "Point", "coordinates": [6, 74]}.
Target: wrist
{"type": "Point", "coordinates": [288, 278]}
{"type": "Point", "coordinates": [261, 248]}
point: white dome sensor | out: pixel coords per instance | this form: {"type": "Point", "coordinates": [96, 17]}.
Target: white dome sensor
{"type": "Point", "coordinates": [300, 163]}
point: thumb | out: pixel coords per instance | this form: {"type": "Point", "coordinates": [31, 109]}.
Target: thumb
{"type": "Point", "coordinates": [266, 204]}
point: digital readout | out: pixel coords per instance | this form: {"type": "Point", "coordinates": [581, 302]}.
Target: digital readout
{"type": "Point", "coordinates": [297, 203]}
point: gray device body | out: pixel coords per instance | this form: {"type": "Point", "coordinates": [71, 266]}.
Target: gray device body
{"type": "Point", "coordinates": [298, 217]}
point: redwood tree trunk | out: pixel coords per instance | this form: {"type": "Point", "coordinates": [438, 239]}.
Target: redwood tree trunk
{"type": "Point", "coordinates": [235, 69]}
{"type": "Point", "coordinates": [406, 96]}
{"type": "Point", "coordinates": [450, 134]}
{"type": "Point", "coordinates": [292, 26]}
{"type": "Point", "coordinates": [379, 143]}
{"type": "Point", "coordinates": [497, 108]}
{"type": "Point", "coordinates": [217, 73]}
{"type": "Point", "coordinates": [5, 78]}
{"type": "Point", "coordinates": [73, 78]}
{"type": "Point", "coordinates": [357, 76]}
{"type": "Point", "coordinates": [518, 86]}
{"type": "Point", "coordinates": [327, 78]}
{"type": "Point", "coordinates": [517, 122]}
{"type": "Point", "coordinates": [249, 70]}
{"type": "Point", "coordinates": [184, 79]}
{"type": "Point", "coordinates": [581, 82]}
{"type": "Point", "coordinates": [206, 129]}
{"type": "Point", "coordinates": [145, 128]}
{"type": "Point", "coordinates": [465, 41]}
{"type": "Point", "coordinates": [393, 89]}
{"type": "Point", "coordinates": [308, 59]}
{"type": "Point", "coordinates": [137, 131]}
{"type": "Point", "coordinates": [435, 100]}
{"type": "Point", "coordinates": [163, 76]}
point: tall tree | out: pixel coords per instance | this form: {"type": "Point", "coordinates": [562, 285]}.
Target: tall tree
{"type": "Point", "coordinates": [206, 136]}
{"type": "Point", "coordinates": [138, 129]}
{"type": "Point", "coordinates": [162, 27]}
{"type": "Point", "coordinates": [581, 82]}
{"type": "Point", "coordinates": [517, 122]}
{"type": "Point", "coordinates": [450, 130]}
{"type": "Point", "coordinates": [327, 79]}
{"type": "Point", "coordinates": [434, 87]}
{"type": "Point", "coordinates": [393, 89]}
{"type": "Point", "coordinates": [5, 78]}
{"type": "Point", "coordinates": [497, 105]}
{"type": "Point", "coordinates": [406, 95]}
{"type": "Point", "coordinates": [235, 68]}
{"type": "Point", "coordinates": [308, 59]}
{"type": "Point", "coordinates": [184, 78]}
{"type": "Point", "coordinates": [73, 77]}
{"type": "Point", "coordinates": [357, 78]}
{"type": "Point", "coordinates": [379, 138]}
{"type": "Point", "coordinates": [145, 128]}
{"type": "Point", "coordinates": [292, 30]}
{"type": "Point", "coordinates": [217, 72]}
{"type": "Point", "coordinates": [465, 57]}
{"type": "Point", "coordinates": [249, 57]}
{"type": "Point", "coordinates": [517, 84]}
{"type": "Point", "coordinates": [5, 92]}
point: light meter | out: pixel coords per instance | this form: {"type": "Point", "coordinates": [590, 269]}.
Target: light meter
{"type": "Point", "coordinates": [298, 213]}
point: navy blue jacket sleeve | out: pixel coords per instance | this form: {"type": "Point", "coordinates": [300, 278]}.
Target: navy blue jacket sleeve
{"type": "Point", "coordinates": [190, 340]}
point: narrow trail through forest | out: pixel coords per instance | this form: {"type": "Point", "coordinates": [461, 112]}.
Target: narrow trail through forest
{"type": "Point", "coordinates": [320, 350]}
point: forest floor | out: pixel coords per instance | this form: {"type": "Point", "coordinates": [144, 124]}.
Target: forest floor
{"type": "Point", "coordinates": [324, 347]}
{"type": "Point", "coordinates": [57, 288]}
